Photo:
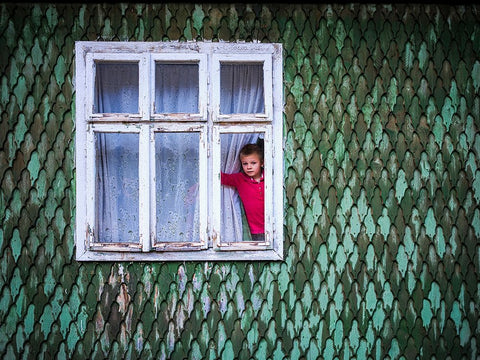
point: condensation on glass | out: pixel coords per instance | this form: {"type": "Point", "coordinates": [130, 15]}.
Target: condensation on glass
{"type": "Point", "coordinates": [117, 187]}
{"type": "Point", "coordinates": [116, 88]}
{"type": "Point", "coordinates": [176, 88]}
{"type": "Point", "coordinates": [176, 186]}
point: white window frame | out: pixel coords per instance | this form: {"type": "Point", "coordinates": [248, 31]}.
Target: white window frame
{"type": "Point", "coordinates": [208, 122]}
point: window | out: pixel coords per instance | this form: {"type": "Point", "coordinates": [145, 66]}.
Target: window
{"type": "Point", "coordinates": [157, 124]}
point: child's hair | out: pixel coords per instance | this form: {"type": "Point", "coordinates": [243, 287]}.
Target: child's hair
{"type": "Point", "coordinates": [250, 149]}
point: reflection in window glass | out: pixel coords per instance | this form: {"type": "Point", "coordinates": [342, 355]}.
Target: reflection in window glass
{"type": "Point", "coordinates": [116, 88]}
{"type": "Point", "coordinates": [117, 187]}
{"type": "Point", "coordinates": [241, 89]}
{"type": "Point", "coordinates": [176, 88]}
{"type": "Point", "coordinates": [177, 178]}
{"type": "Point", "coordinates": [242, 197]}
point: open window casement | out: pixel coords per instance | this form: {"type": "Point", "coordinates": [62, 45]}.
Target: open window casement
{"type": "Point", "coordinates": [231, 226]}
{"type": "Point", "coordinates": [156, 123]}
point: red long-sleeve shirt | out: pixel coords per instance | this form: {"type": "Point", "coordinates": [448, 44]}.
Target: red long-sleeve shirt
{"type": "Point", "coordinates": [252, 194]}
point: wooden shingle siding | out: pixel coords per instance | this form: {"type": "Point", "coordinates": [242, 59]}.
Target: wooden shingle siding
{"type": "Point", "coordinates": [382, 192]}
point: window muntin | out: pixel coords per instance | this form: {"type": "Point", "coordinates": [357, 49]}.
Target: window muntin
{"type": "Point", "coordinates": [150, 124]}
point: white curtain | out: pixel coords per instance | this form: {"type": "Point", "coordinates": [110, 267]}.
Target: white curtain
{"type": "Point", "coordinates": [241, 89]}
{"type": "Point", "coordinates": [176, 88]}
{"type": "Point", "coordinates": [116, 88]}
{"type": "Point", "coordinates": [176, 154]}
{"type": "Point", "coordinates": [117, 186]}
{"type": "Point", "coordinates": [177, 202]}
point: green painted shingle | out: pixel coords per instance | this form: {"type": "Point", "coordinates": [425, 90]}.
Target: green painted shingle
{"type": "Point", "coordinates": [382, 192]}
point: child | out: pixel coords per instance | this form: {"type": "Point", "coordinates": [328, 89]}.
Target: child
{"type": "Point", "coordinates": [251, 189]}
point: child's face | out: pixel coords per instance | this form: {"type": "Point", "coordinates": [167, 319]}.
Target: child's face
{"type": "Point", "coordinates": [252, 165]}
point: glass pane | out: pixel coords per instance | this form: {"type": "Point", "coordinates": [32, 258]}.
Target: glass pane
{"type": "Point", "coordinates": [117, 187]}
{"type": "Point", "coordinates": [176, 88]}
{"type": "Point", "coordinates": [243, 189]}
{"type": "Point", "coordinates": [177, 175]}
{"type": "Point", "coordinates": [241, 89]}
{"type": "Point", "coordinates": [116, 88]}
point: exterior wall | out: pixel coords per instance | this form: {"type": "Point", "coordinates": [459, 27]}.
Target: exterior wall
{"type": "Point", "coordinates": [382, 192]}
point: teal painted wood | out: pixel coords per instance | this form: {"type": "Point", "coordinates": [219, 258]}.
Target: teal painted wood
{"type": "Point", "coordinates": [382, 192]}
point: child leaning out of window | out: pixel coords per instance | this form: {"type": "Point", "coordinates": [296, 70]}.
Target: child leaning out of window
{"type": "Point", "coordinates": [251, 189]}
